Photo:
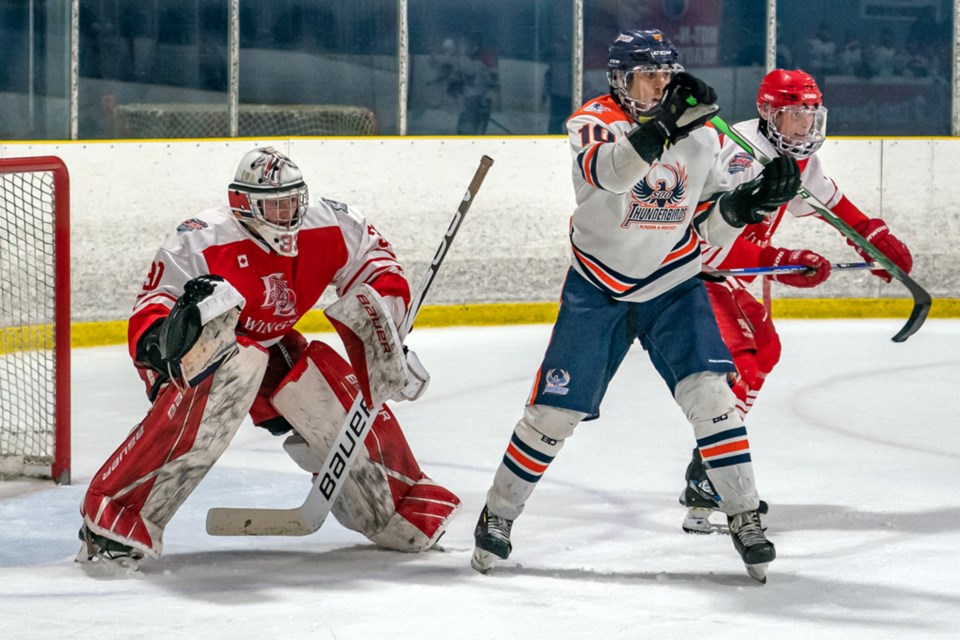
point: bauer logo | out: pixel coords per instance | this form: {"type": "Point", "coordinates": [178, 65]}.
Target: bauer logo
{"type": "Point", "coordinates": [557, 381]}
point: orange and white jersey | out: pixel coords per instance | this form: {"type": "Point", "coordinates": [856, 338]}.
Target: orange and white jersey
{"type": "Point", "coordinates": [336, 247]}
{"type": "Point", "coordinates": [632, 233]}
{"type": "Point", "coordinates": [741, 167]}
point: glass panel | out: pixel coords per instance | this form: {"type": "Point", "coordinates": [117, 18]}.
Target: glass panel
{"type": "Point", "coordinates": [722, 42]}
{"type": "Point", "coordinates": [496, 68]}
{"type": "Point", "coordinates": [34, 79]}
{"type": "Point", "coordinates": [153, 69]}
{"type": "Point", "coordinates": [883, 66]}
{"type": "Point", "coordinates": [334, 63]}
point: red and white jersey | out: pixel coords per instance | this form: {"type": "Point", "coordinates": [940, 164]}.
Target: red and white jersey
{"type": "Point", "coordinates": [632, 233]}
{"type": "Point", "coordinates": [336, 247]}
{"type": "Point", "coordinates": [741, 167]}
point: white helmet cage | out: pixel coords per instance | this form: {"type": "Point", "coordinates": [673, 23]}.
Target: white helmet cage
{"type": "Point", "coordinates": [798, 146]}
{"type": "Point", "coordinates": [269, 196]}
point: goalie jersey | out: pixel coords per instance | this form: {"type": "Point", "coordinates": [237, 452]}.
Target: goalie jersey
{"type": "Point", "coordinates": [635, 231]}
{"type": "Point", "coordinates": [336, 247]}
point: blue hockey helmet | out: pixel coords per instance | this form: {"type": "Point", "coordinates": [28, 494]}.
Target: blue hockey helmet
{"type": "Point", "coordinates": [639, 51]}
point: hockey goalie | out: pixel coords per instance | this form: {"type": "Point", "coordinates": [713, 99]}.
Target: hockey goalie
{"type": "Point", "coordinates": [212, 336]}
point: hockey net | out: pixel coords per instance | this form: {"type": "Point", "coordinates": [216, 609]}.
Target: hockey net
{"type": "Point", "coordinates": [210, 120]}
{"type": "Point", "coordinates": [34, 318]}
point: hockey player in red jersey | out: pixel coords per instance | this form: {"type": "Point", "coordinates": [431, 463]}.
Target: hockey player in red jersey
{"type": "Point", "coordinates": [648, 180]}
{"type": "Point", "coordinates": [792, 122]}
{"type": "Point", "coordinates": [212, 336]}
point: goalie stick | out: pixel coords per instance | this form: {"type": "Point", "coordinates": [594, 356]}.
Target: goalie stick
{"type": "Point", "coordinates": [790, 268]}
{"type": "Point", "coordinates": [309, 517]}
{"type": "Point", "coordinates": [921, 299]}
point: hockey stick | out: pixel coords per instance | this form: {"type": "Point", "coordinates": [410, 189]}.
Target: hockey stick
{"type": "Point", "coordinates": [790, 268]}
{"type": "Point", "coordinates": [327, 484]}
{"type": "Point", "coordinates": [921, 299]}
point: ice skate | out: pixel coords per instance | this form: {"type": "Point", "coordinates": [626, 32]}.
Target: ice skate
{"type": "Point", "coordinates": [702, 501]}
{"type": "Point", "coordinates": [751, 543]}
{"type": "Point", "coordinates": [100, 549]}
{"type": "Point", "coordinates": [492, 536]}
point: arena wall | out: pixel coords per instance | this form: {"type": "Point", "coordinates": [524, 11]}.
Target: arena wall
{"type": "Point", "coordinates": [126, 195]}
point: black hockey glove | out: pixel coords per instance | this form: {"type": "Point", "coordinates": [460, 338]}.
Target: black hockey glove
{"type": "Point", "coordinates": [676, 117]}
{"type": "Point", "coordinates": [752, 201]}
{"type": "Point", "coordinates": [182, 328]}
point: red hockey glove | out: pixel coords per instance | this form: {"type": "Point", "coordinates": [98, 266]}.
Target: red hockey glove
{"type": "Point", "coordinates": [877, 234]}
{"type": "Point", "coordinates": [818, 266]}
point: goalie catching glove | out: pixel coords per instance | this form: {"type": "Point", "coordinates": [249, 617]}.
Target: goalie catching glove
{"type": "Point", "coordinates": [196, 336]}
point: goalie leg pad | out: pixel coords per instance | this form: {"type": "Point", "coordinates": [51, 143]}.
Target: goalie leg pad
{"type": "Point", "coordinates": [314, 398]}
{"type": "Point", "coordinates": [142, 484]}
{"type": "Point", "coordinates": [709, 405]}
{"type": "Point", "coordinates": [373, 344]}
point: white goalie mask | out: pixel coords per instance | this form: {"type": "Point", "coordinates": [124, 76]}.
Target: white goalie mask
{"type": "Point", "coordinates": [268, 195]}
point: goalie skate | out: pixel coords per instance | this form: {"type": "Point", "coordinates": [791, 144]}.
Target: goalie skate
{"type": "Point", "coordinates": [100, 550]}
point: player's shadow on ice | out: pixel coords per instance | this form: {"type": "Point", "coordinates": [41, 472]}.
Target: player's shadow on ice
{"type": "Point", "coordinates": [243, 576]}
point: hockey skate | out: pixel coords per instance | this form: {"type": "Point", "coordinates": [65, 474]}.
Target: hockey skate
{"type": "Point", "coordinates": [100, 549]}
{"type": "Point", "coordinates": [751, 543]}
{"type": "Point", "coordinates": [492, 536]}
{"type": "Point", "coordinates": [702, 501]}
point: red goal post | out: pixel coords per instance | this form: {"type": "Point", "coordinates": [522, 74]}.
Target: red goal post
{"type": "Point", "coordinates": [35, 318]}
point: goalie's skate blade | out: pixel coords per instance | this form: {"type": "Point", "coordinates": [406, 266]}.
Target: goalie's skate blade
{"type": "Point", "coordinates": [758, 571]}
{"type": "Point", "coordinates": [483, 561]}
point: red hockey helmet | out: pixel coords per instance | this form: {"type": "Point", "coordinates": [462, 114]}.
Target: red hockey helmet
{"type": "Point", "coordinates": [792, 115]}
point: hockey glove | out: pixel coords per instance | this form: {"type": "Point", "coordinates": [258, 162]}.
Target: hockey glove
{"type": "Point", "coordinates": [417, 378]}
{"type": "Point", "coordinates": [818, 267]}
{"type": "Point", "coordinates": [876, 233]}
{"type": "Point", "coordinates": [751, 202]}
{"type": "Point", "coordinates": [676, 117]}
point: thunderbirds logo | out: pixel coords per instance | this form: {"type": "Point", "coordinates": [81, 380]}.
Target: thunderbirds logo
{"type": "Point", "coordinates": [557, 381]}
{"type": "Point", "coordinates": [659, 200]}
{"type": "Point", "coordinates": [279, 295]}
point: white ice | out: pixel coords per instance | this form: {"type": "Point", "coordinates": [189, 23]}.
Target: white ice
{"type": "Point", "coordinates": [856, 443]}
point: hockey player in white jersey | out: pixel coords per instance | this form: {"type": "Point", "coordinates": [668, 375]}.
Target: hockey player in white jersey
{"type": "Point", "coordinates": [792, 122]}
{"type": "Point", "coordinates": [648, 181]}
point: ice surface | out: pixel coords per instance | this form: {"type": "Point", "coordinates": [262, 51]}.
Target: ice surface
{"type": "Point", "coordinates": [856, 444]}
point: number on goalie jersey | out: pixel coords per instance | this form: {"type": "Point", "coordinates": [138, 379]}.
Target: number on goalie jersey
{"type": "Point", "coordinates": [278, 253]}
{"type": "Point", "coordinates": [792, 123]}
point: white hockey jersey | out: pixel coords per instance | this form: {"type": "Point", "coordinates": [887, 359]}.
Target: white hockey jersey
{"type": "Point", "coordinates": [632, 233]}
{"type": "Point", "coordinates": [336, 247]}
{"type": "Point", "coordinates": [741, 167]}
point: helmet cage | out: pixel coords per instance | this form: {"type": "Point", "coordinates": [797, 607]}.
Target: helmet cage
{"type": "Point", "coordinates": [621, 79]}
{"type": "Point", "coordinates": [786, 142]}
{"type": "Point", "coordinates": [252, 204]}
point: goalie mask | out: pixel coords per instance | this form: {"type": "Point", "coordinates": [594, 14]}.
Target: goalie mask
{"type": "Point", "coordinates": [792, 115]}
{"type": "Point", "coordinates": [635, 54]}
{"type": "Point", "coordinates": [269, 197]}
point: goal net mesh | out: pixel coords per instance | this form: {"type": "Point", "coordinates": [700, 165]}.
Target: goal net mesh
{"type": "Point", "coordinates": [27, 306]}
{"type": "Point", "coordinates": [210, 120]}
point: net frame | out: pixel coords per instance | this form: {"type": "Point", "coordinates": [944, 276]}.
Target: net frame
{"type": "Point", "coordinates": [57, 465]}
